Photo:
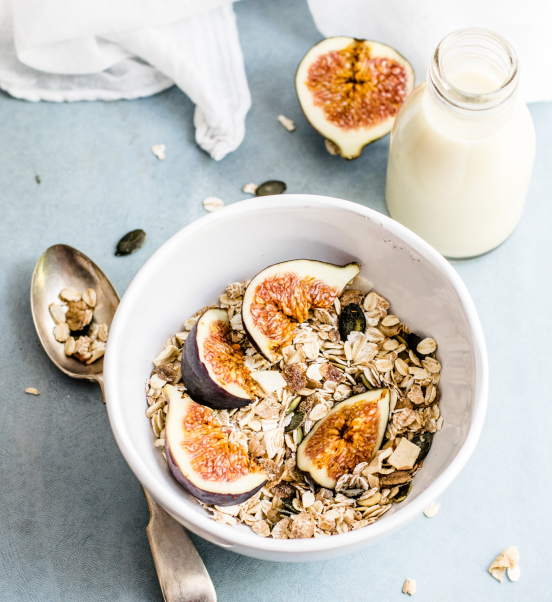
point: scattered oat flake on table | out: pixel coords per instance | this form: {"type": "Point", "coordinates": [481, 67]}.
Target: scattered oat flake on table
{"type": "Point", "coordinates": [213, 203]}
{"type": "Point", "coordinates": [159, 151]}
{"type": "Point", "coordinates": [507, 559]}
{"type": "Point", "coordinates": [513, 574]}
{"type": "Point", "coordinates": [287, 123]}
{"type": "Point", "coordinates": [32, 391]}
{"type": "Point", "coordinates": [409, 587]}
{"type": "Point", "coordinates": [250, 188]}
{"type": "Point", "coordinates": [432, 510]}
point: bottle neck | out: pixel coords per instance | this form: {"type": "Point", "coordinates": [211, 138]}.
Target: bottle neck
{"type": "Point", "coordinates": [472, 84]}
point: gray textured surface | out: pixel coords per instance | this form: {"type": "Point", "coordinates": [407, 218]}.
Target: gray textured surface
{"type": "Point", "coordinates": [72, 525]}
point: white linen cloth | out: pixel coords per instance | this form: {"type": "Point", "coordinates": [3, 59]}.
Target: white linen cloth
{"type": "Point", "coordinates": [68, 50]}
{"type": "Point", "coordinates": [415, 28]}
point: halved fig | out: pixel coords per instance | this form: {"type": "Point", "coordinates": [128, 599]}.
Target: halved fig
{"type": "Point", "coordinates": [282, 295]}
{"type": "Point", "coordinates": [351, 433]}
{"type": "Point", "coordinates": [351, 90]}
{"type": "Point", "coordinates": [204, 458]}
{"type": "Point", "coordinates": [213, 369]}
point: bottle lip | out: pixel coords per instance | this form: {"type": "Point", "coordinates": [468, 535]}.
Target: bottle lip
{"type": "Point", "coordinates": [476, 39]}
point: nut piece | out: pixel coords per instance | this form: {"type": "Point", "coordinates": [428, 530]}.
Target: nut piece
{"type": "Point", "coordinates": [79, 315]}
{"type": "Point", "coordinates": [32, 391]}
{"type": "Point", "coordinates": [61, 332]}
{"type": "Point", "coordinates": [507, 559]}
{"type": "Point", "coordinates": [69, 294]}
{"type": "Point", "coordinates": [213, 203]}
{"type": "Point", "coordinates": [303, 526]}
{"type": "Point", "coordinates": [404, 457]}
{"type": "Point", "coordinates": [89, 297]}
{"type": "Point", "coordinates": [432, 510]}
{"type": "Point", "coordinates": [409, 587]}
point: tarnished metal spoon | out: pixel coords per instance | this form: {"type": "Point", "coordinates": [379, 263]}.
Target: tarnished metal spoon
{"type": "Point", "coordinates": [182, 574]}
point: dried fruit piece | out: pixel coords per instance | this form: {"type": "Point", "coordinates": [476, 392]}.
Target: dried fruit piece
{"type": "Point", "coordinates": [351, 319]}
{"type": "Point", "coordinates": [351, 90]}
{"type": "Point", "coordinates": [283, 294]}
{"type": "Point", "coordinates": [351, 295]}
{"type": "Point", "coordinates": [351, 433]}
{"type": "Point", "coordinates": [330, 372]}
{"type": "Point", "coordinates": [295, 379]}
{"type": "Point", "coordinates": [213, 368]}
{"type": "Point", "coordinates": [204, 458]}
{"type": "Point", "coordinates": [405, 455]}
{"type": "Point", "coordinates": [131, 242]}
{"type": "Point", "coordinates": [270, 188]}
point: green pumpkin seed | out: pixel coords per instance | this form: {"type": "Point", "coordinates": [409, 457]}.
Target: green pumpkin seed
{"type": "Point", "coordinates": [271, 187]}
{"type": "Point", "coordinates": [400, 339]}
{"type": "Point", "coordinates": [351, 319]}
{"type": "Point", "coordinates": [293, 405]}
{"type": "Point", "coordinates": [366, 382]}
{"type": "Point", "coordinates": [296, 422]}
{"type": "Point", "coordinates": [423, 441]}
{"type": "Point", "coordinates": [403, 492]}
{"type": "Point", "coordinates": [131, 242]}
{"type": "Point", "coordinates": [288, 505]}
{"type": "Point", "coordinates": [299, 435]}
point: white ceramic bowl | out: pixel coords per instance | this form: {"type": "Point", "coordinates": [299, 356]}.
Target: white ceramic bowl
{"type": "Point", "coordinates": [191, 269]}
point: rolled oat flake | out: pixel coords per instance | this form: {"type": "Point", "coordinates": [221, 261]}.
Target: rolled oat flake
{"type": "Point", "coordinates": [131, 242]}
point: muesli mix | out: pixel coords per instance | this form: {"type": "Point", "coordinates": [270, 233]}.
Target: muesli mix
{"type": "Point", "coordinates": [82, 337]}
{"type": "Point", "coordinates": [326, 362]}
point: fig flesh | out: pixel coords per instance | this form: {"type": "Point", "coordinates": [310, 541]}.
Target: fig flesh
{"type": "Point", "coordinates": [203, 457]}
{"type": "Point", "coordinates": [282, 295]}
{"type": "Point", "coordinates": [213, 369]}
{"type": "Point", "coordinates": [351, 433]}
{"type": "Point", "coordinates": [351, 90]}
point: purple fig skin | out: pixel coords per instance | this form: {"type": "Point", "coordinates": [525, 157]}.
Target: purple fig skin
{"type": "Point", "coordinates": [199, 384]}
{"type": "Point", "coordinates": [207, 497]}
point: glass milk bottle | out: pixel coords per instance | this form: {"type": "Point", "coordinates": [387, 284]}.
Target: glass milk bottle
{"type": "Point", "coordinates": [462, 148]}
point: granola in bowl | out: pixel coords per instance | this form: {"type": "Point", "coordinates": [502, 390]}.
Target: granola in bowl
{"type": "Point", "coordinates": [315, 374]}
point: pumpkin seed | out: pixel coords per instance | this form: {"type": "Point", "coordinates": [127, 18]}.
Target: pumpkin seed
{"type": "Point", "coordinates": [296, 422]}
{"type": "Point", "coordinates": [351, 319]}
{"type": "Point", "coordinates": [293, 405]}
{"type": "Point", "coordinates": [352, 492]}
{"type": "Point", "coordinates": [423, 441]}
{"type": "Point", "coordinates": [400, 339]}
{"type": "Point", "coordinates": [271, 187]}
{"type": "Point", "coordinates": [288, 504]}
{"type": "Point", "coordinates": [365, 382]}
{"type": "Point", "coordinates": [413, 340]}
{"type": "Point", "coordinates": [299, 435]}
{"type": "Point", "coordinates": [131, 242]}
{"type": "Point", "coordinates": [403, 492]}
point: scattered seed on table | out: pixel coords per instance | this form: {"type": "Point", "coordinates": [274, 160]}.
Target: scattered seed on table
{"type": "Point", "coordinates": [213, 203]}
{"type": "Point", "coordinates": [131, 242]}
{"type": "Point", "coordinates": [32, 391]}
{"type": "Point", "coordinates": [287, 123]}
{"type": "Point", "coordinates": [159, 151]}
{"type": "Point", "coordinates": [271, 187]}
{"type": "Point", "coordinates": [250, 188]}
{"type": "Point", "coordinates": [432, 510]}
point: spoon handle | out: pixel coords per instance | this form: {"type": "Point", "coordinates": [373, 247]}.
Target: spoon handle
{"type": "Point", "coordinates": [182, 574]}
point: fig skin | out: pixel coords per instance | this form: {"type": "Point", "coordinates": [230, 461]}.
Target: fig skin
{"type": "Point", "coordinates": [301, 267]}
{"type": "Point", "coordinates": [350, 144]}
{"type": "Point", "coordinates": [315, 466]}
{"type": "Point", "coordinates": [200, 385]}
{"type": "Point", "coordinates": [183, 471]}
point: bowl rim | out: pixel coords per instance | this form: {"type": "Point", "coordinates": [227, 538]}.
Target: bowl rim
{"type": "Point", "coordinates": [225, 535]}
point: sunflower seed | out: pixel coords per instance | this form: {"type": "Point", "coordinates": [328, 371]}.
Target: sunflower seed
{"type": "Point", "coordinates": [287, 123]}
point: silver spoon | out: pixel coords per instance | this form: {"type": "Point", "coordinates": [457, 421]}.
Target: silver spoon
{"type": "Point", "coordinates": [182, 574]}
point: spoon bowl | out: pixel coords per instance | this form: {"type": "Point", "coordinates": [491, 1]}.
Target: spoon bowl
{"type": "Point", "coordinates": [59, 267]}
